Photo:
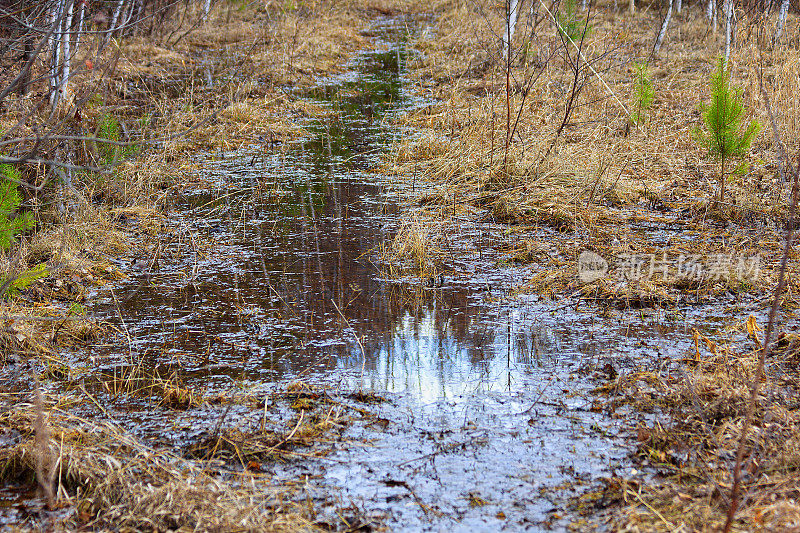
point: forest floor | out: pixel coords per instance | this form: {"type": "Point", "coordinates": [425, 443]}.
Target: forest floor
{"type": "Point", "coordinates": [548, 143]}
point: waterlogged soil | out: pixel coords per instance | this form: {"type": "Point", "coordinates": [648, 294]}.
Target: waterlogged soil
{"type": "Point", "coordinates": [274, 273]}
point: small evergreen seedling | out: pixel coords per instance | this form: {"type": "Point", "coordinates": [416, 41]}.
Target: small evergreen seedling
{"type": "Point", "coordinates": [109, 129]}
{"type": "Point", "coordinates": [643, 92]}
{"type": "Point", "coordinates": [723, 121]}
{"type": "Point", "coordinates": [11, 225]}
{"type": "Point", "coordinates": [571, 27]}
{"type": "Point", "coordinates": [14, 284]}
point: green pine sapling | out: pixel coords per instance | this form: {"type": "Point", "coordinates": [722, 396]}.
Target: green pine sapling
{"type": "Point", "coordinates": [10, 224]}
{"type": "Point", "coordinates": [570, 26]}
{"type": "Point", "coordinates": [644, 93]}
{"type": "Point", "coordinates": [723, 134]}
{"type": "Point", "coordinates": [10, 286]}
{"type": "Point", "coordinates": [110, 129]}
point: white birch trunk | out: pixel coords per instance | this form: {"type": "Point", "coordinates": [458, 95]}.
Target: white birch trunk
{"type": "Point", "coordinates": [206, 9]}
{"type": "Point", "coordinates": [781, 20]}
{"type": "Point", "coordinates": [631, 6]}
{"type": "Point", "coordinates": [66, 37]}
{"type": "Point", "coordinates": [512, 13]}
{"type": "Point", "coordinates": [125, 27]}
{"type": "Point", "coordinates": [55, 59]}
{"type": "Point", "coordinates": [663, 31]}
{"type": "Point", "coordinates": [114, 18]}
{"type": "Point", "coordinates": [711, 15]}
{"type": "Point", "coordinates": [729, 29]}
{"type": "Point", "coordinates": [678, 6]}
{"type": "Point", "coordinates": [714, 22]}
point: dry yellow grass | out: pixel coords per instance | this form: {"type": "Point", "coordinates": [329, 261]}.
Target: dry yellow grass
{"type": "Point", "coordinates": [601, 173]}
{"type": "Point", "coordinates": [123, 483]}
{"type": "Point", "coordinates": [99, 476]}
{"type": "Point", "coordinates": [414, 248]}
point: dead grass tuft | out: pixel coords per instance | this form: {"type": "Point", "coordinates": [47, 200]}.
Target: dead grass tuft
{"type": "Point", "coordinates": [414, 248]}
{"type": "Point", "coordinates": [112, 480]}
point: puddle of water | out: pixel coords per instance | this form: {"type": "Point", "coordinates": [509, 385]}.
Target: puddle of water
{"type": "Point", "coordinates": [271, 273]}
{"type": "Point", "coordinates": [282, 277]}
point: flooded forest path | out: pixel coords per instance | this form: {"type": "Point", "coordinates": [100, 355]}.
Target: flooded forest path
{"type": "Point", "coordinates": [274, 274]}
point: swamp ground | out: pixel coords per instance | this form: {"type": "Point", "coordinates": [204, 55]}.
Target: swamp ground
{"type": "Point", "coordinates": [350, 292]}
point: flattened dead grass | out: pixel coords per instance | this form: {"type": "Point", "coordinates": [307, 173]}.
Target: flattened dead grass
{"type": "Point", "coordinates": [690, 450]}
{"type": "Point", "coordinates": [98, 476]}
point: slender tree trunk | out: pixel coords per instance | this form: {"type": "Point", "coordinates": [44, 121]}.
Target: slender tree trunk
{"type": "Point", "coordinates": [711, 13]}
{"type": "Point", "coordinates": [114, 18]}
{"type": "Point", "coordinates": [512, 14]}
{"type": "Point", "coordinates": [126, 27]}
{"type": "Point", "coordinates": [678, 6]}
{"type": "Point", "coordinates": [30, 50]}
{"type": "Point", "coordinates": [730, 31]}
{"type": "Point", "coordinates": [66, 37]}
{"type": "Point", "coordinates": [206, 10]}
{"type": "Point", "coordinates": [55, 44]}
{"type": "Point", "coordinates": [632, 6]}
{"type": "Point", "coordinates": [664, 25]}
{"type": "Point", "coordinates": [138, 7]}
{"type": "Point", "coordinates": [781, 20]}
{"type": "Point", "coordinates": [716, 17]}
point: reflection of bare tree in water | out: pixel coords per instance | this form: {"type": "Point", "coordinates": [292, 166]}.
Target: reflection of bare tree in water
{"type": "Point", "coordinates": [272, 305]}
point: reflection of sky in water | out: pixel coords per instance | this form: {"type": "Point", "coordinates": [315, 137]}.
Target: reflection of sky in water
{"type": "Point", "coordinates": [430, 362]}
{"type": "Point", "coordinates": [421, 359]}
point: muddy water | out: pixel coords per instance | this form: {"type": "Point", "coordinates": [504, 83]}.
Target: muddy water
{"type": "Point", "coordinates": [273, 273]}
